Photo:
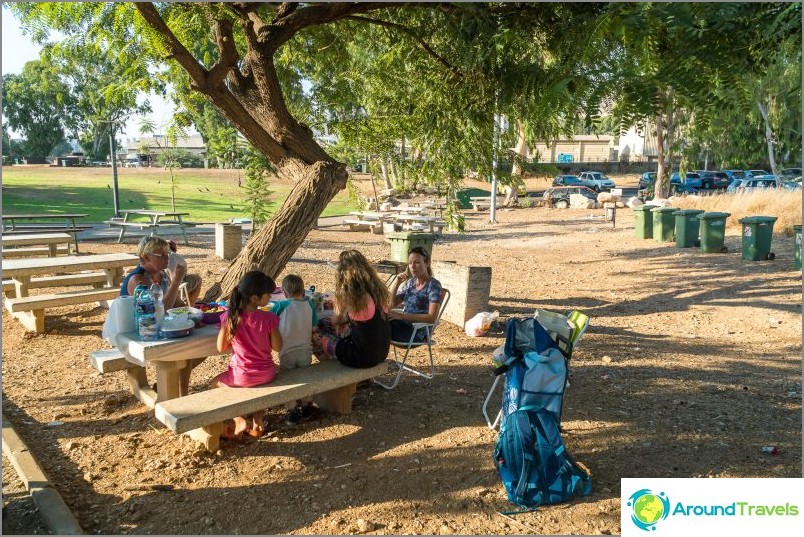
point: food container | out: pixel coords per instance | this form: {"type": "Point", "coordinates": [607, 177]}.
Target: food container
{"type": "Point", "coordinates": [176, 329]}
{"type": "Point", "coordinates": [211, 313]}
{"type": "Point", "coordinates": [194, 314]}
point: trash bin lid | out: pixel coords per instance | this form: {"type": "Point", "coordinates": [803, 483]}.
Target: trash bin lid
{"type": "Point", "coordinates": [688, 212]}
{"type": "Point", "coordinates": [797, 227]}
{"type": "Point", "coordinates": [404, 235]}
{"type": "Point", "coordinates": [713, 216]}
{"type": "Point", "coordinates": [641, 208]}
{"type": "Point", "coordinates": [758, 220]}
{"type": "Point", "coordinates": [664, 210]}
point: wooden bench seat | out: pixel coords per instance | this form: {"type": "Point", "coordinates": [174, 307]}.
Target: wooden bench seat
{"type": "Point", "coordinates": [96, 279]}
{"type": "Point", "coordinates": [202, 414]}
{"type": "Point", "coordinates": [358, 224]}
{"type": "Point", "coordinates": [30, 310]}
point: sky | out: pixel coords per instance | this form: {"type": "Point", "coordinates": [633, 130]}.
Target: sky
{"type": "Point", "coordinates": [17, 49]}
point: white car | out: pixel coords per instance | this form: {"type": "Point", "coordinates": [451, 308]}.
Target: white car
{"type": "Point", "coordinates": [597, 181]}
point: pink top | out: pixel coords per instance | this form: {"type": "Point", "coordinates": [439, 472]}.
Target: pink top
{"type": "Point", "coordinates": [367, 313]}
{"type": "Point", "coordinates": [251, 344]}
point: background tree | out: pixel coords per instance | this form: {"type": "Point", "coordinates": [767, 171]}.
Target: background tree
{"type": "Point", "coordinates": [39, 105]}
{"type": "Point", "coordinates": [257, 199]}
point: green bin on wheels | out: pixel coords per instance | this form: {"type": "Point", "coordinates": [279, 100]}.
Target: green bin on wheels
{"type": "Point", "coordinates": [663, 222]}
{"type": "Point", "coordinates": [757, 237]}
{"type": "Point", "coordinates": [797, 247]}
{"type": "Point", "coordinates": [402, 242]}
{"type": "Point", "coordinates": [687, 227]}
{"type": "Point", "coordinates": [643, 225]}
{"type": "Point", "coordinates": [713, 232]}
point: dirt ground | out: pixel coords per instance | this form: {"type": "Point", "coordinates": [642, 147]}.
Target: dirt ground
{"type": "Point", "coordinates": [691, 365]}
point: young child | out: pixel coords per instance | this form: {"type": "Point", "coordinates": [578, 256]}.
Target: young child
{"type": "Point", "coordinates": [297, 317]}
{"type": "Point", "coordinates": [361, 304]}
{"type": "Point", "coordinates": [251, 334]}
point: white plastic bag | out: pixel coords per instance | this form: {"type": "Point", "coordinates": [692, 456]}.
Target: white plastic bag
{"type": "Point", "coordinates": [480, 323]}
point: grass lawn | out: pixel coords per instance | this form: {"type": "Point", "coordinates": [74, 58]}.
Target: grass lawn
{"type": "Point", "coordinates": [208, 195]}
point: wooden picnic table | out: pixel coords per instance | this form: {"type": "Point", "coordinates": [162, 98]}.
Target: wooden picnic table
{"type": "Point", "coordinates": [50, 241]}
{"type": "Point", "coordinates": [156, 220]}
{"type": "Point", "coordinates": [10, 221]}
{"type": "Point", "coordinates": [29, 310]}
{"type": "Point", "coordinates": [168, 356]}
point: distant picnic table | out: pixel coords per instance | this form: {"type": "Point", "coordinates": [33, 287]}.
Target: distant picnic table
{"type": "Point", "coordinates": [156, 221]}
{"type": "Point", "coordinates": [11, 224]}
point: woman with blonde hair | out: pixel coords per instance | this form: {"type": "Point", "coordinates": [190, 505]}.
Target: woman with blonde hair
{"type": "Point", "coordinates": [359, 334]}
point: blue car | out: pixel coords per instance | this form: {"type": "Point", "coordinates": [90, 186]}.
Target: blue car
{"type": "Point", "coordinates": [693, 179]}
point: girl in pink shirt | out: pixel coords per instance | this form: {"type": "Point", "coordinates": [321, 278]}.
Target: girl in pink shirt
{"type": "Point", "coordinates": [252, 334]}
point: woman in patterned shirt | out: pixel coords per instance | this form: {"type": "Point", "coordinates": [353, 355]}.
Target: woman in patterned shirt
{"type": "Point", "coordinates": [420, 295]}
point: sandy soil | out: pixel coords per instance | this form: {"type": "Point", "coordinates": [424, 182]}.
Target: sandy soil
{"type": "Point", "coordinates": [691, 365]}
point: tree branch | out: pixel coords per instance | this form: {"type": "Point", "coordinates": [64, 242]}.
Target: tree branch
{"type": "Point", "coordinates": [228, 53]}
{"type": "Point", "coordinates": [178, 51]}
{"type": "Point", "coordinates": [407, 31]}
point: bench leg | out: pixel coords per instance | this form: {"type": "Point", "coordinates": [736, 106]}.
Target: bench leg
{"type": "Point", "coordinates": [338, 400]}
{"type": "Point", "coordinates": [138, 381]}
{"type": "Point", "coordinates": [32, 320]}
{"type": "Point", "coordinates": [119, 237]}
{"type": "Point", "coordinates": [184, 234]}
{"type": "Point", "coordinates": [168, 379]}
{"type": "Point", "coordinates": [209, 436]}
{"type": "Point", "coordinates": [51, 250]}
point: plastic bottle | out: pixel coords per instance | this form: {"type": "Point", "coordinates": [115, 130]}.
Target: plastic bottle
{"type": "Point", "coordinates": [159, 306]}
{"type": "Point", "coordinates": [488, 319]}
{"type": "Point", "coordinates": [147, 327]}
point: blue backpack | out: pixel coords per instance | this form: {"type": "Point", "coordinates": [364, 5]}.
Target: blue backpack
{"type": "Point", "coordinates": [530, 456]}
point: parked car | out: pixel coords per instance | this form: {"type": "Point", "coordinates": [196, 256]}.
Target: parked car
{"type": "Point", "coordinates": [755, 173]}
{"type": "Point", "coordinates": [754, 183]}
{"type": "Point", "coordinates": [648, 178]}
{"type": "Point", "coordinates": [597, 181]}
{"type": "Point", "coordinates": [560, 195]}
{"type": "Point", "coordinates": [567, 180]}
{"type": "Point", "coordinates": [790, 173]}
{"type": "Point", "coordinates": [792, 184]}
{"type": "Point", "coordinates": [677, 189]}
{"type": "Point", "coordinates": [734, 174]}
{"type": "Point", "coordinates": [713, 179]}
{"type": "Point", "coordinates": [692, 179]}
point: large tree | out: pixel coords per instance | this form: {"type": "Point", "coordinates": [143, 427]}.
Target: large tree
{"type": "Point", "coordinates": [39, 105]}
{"type": "Point", "coordinates": [449, 57]}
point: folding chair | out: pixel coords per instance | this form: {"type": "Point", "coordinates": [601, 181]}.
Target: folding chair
{"type": "Point", "coordinates": [578, 323]}
{"type": "Point", "coordinates": [429, 329]}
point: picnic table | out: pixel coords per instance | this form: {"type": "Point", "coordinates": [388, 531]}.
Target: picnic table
{"type": "Point", "coordinates": [11, 225]}
{"type": "Point", "coordinates": [63, 272]}
{"type": "Point", "coordinates": [39, 243]}
{"type": "Point", "coordinates": [156, 220]}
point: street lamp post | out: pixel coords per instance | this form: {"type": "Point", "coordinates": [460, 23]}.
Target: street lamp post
{"type": "Point", "coordinates": [112, 150]}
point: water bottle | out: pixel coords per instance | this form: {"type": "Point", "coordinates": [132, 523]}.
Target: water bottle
{"type": "Point", "coordinates": [159, 306]}
{"type": "Point", "coordinates": [147, 327]}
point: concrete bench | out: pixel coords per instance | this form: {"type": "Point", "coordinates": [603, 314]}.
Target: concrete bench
{"type": "Point", "coordinates": [27, 251]}
{"type": "Point", "coordinates": [359, 224]}
{"type": "Point", "coordinates": [95, 279]}
{"type": "Point", "coordinates": [35, 230]}
{"type": "Point", "coordinates": [109, 360]}
{"type": "Point", "coordinates": [201, 415]}
{"type": "Point", "coordinates": [30, 310]}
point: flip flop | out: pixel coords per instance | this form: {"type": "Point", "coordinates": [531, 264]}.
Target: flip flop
{"type": "Point", "coordinates": [256, 433]}
{"type": "Point", "coordinates": [229, 434]}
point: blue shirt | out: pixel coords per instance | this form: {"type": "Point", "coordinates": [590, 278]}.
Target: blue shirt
{"type": "Point", "coordinates": [419, 300]}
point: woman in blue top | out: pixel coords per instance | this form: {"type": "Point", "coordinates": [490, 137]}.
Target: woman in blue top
{"type": "Point", "coordinates": [420, 296]}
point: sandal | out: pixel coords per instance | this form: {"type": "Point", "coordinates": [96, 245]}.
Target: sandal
{"type": "Point", "coordinates": [256, 432]}
{"type": "Point", "coordinates": [229, 433]}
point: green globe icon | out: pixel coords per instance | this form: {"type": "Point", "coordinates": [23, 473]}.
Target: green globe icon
{"type": "Point", "coordinates": [648, 509]}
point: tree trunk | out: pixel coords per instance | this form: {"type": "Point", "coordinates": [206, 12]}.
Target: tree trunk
{"type": "Point", "coordinates": [512, 196]}
{"type": "Point", "coordinates": [768, 136]}
{"type": "Point", "coordinates": [270, 248]}
{"type": "Point", "coordinates": [662, 186]}
{"type": "Point", "coordinates": [385, 178]}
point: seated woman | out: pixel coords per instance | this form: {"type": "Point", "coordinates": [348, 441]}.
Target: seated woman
{"type": "Point", "coordinates": [358, 335]}
{"type": "Point", "coordinates": [420, 295]}
{"type": "Point", "coordinates": [154, 255]}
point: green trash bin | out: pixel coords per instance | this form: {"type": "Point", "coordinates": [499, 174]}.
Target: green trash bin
{"type": "Point", "coordinates": [687, 227]}
{"type": "Point", "coordinates": [663, 222]}
{"type": "Point", "coordinates": [402, 242]}
{"type": "Point", "coordinates": [757, 237]}
{"type": "Point", "coordinates": [797, 247]}
{"type": "Point", "coordinates": [643, 225]}
{"type": "Point", "coordinates": [713, 232]}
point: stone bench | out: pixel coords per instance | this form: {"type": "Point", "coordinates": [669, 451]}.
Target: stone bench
{"type": "Point", "coordinates": [201, 415]}
{"type": "Point", "coordinates": [359, 224]}
{"type": "Point", "coordinates": [30, 310]}
{"type": "Point", "coordinates": [95, 279]}
{"type": "Point", "coordinates": [27, 251]}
